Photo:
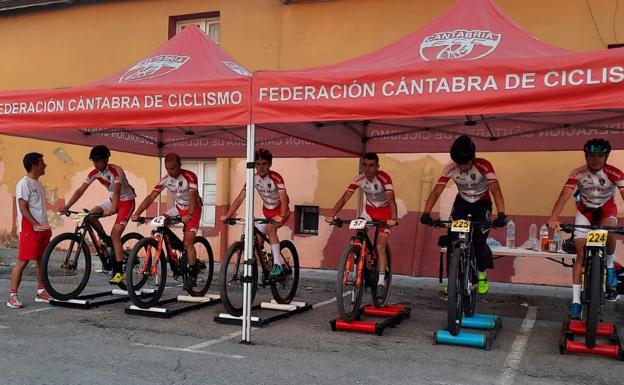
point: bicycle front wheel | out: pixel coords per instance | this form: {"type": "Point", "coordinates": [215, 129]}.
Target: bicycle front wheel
{"type": "Point", "coordinates": [145, 268]}
{"type": "Point", "coordinates": [382, 301]}
{"type": "Point", "coordinates": [205, 259]}
{"type": "Point", "coordinates": [128, 241]}
{"type": "Point", "coordinates": [284, 288]}
{"type": "Point", "coordinates": [231, 278]}
{"type": "Point", "coordinates": [349, 284]}
{"type": "Point", "coordinates": [593, 307]}
{"type": "Point", "coordinates": [455, 297]}
{"type": "Point", "coordinates": [66, 266]}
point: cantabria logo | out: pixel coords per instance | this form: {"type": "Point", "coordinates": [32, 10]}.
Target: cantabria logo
{"type": "Point", "coordinates": [459, 44]}
{"type": "Point", "coordinates": [154, 67]}
{"type": "Point", "coordinates": [239, 69]}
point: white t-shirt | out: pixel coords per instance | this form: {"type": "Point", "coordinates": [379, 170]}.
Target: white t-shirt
{"type": "Point", "coordinates": [32, 192]}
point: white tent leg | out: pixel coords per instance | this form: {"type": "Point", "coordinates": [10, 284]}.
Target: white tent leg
{"type": "Point", "coordinates": [249, 236]}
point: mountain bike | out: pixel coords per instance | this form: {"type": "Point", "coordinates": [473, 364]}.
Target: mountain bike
{"type": "Point", "coordinates": [283, 287]}
{"type": "Point", "coordinates": [462, 269]}
{"type": "Point", "coordinates": [594, 278]}
{"type": "Point", "coordinates": [359, 268]}
{"type": "Point", "coordinates": [147, 263]}
{"type": "Point", "coordinates": [66, 262]}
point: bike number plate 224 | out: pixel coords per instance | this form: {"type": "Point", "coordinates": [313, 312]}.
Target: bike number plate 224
{"type": "Point", "coordinates": [460, 226]}
{"type": "Point", "coordinates": [597, 238]}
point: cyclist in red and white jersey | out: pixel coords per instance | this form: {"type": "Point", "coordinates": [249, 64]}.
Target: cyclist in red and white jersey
{"type": "Point", "coordinates": [188, 205]}
{"type": "Point", "coordinates": [121, 201]}
{"type": "Point", "coordinates": [380, 206]}
{"type": "Point", "coordinates": [597, 183]}
{"type": "Point", "coordinates": [475, 180]}
{"type": "Point", "coordinates": [272, 190]}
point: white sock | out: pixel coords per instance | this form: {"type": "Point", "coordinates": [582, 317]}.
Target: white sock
{"type": "Point", "coordinates": [39, 291]}
{"type": "Point", "coordinates": [382, 277]}
{"type": "Point", "coordinates": [576, 294]}
{"type": "Point", "coordinates": [277, 256]}
{"type": "Point", "coordinates": [610, 260]}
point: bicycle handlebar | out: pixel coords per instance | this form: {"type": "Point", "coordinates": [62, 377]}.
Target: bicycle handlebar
{"type": "Point", "coordinates": [439, 223]}
{"type": "Point", "coordinates": [234, 221]}
{"type": "Point", "coordinates": [340, 222]}
{"type": "Point", "coordinates": [568, 228]}
{"type": "Point", "coordinates": [67, 213]}
{"type": "Point", "coordinates": [173, 219]}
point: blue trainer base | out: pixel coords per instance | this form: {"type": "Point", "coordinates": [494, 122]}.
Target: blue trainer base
{"type": "Point", "coordinates": [476, 340]}
{"type": "Point", "coordinates": [480, 321]}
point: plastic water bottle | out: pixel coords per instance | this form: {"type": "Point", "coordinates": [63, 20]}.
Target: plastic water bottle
{"type": "Point", "coordinates": [544, 237]}
{"type": "Point", "coordinates": [533, 236]}
{"type": "Point", "coordinates": [557, 239]}
{"type": "Point", "coordinates": [511, 234]}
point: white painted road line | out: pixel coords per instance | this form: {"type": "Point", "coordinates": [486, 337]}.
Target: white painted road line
{"type": "Point", "coordinates": [4, 327]}
{"type": "Point", "coordinates": [517, 349]}
{"type": "Point", "coordinates": [187, 350]}
{"type": "Point", "coordinates": [215, 341]}
{"type": "Point", "coordinates": [37, 310]}
{"type": "Point", "coordinates": [327, 302]}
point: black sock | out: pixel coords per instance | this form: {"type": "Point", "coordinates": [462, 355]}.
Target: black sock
{"type": "Point", "coordinates": [117, 267]}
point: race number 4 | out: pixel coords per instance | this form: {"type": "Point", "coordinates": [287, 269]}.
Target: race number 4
{"type": "Point", "coordinates": [597, 238]}
{"type": "Point", "coordinates": [460, 226]}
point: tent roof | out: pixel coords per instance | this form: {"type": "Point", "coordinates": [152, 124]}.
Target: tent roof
{"type": "Point", "coordinates": [472, 70]}
{"type": "Point", "coordinates": [189, 85]}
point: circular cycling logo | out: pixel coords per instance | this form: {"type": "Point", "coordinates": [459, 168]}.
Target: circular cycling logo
{"type": "Point", "coordinates": [154, 67]}
{"type": "Point", "coordinates": [459, 44]}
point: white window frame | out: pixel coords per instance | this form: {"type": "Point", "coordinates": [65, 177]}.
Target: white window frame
{"type": "Point", "coordinates": [204, 24]}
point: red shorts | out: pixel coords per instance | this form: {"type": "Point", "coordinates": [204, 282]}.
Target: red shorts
{"type": "Point", "coordinates": [597, 215]}
{"type": "Point", "coordinates": [124, 210]}
{"type": "Point", "coordinates": [381, 214]}
{"type": "Point", "coordinates": [272, 213]}
{"type": "Point", "coordinates": [193, 225]}
{"type": "Point", "coordinates": [32, 243]}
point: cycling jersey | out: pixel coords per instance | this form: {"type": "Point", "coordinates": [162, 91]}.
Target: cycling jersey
{"type": "Point", "coordinates": [181, 187]}
{"type": "Point", "coordinates": [596, 188]}
{"type": "Point", "coordinates": [473, 185]}
{"type": "Point", "coordinates": [109, 178]}
{"type": "Point", "coordinates": [375, 190]}
{"type": "Point", "coordinates": [268, 187]}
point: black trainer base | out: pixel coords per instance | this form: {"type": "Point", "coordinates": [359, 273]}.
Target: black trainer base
{"type": "Point", "coordinates": [174, 306]}
{"type": "Point", "coordinates": [88, 301]}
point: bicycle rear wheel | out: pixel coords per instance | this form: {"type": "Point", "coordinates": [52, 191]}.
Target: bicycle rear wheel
{"type": "Point", "coordinates": [593, 307]}
{"type": "Point", "coordinates": [381, 302]}
{"type": "Point", "coordinates": [284, 288]}
{"type": "Point", "coordinates": [455, 297]}
{"type": "Point", "coordinates": [231, 278]}
{"type": "Point", "coordinates": [66, 266]}
{"type": "Point", "coordinates": [349, 284]}
{"type": "Point", "coordinates": [205, 259]}
{"type": "Point", "coordinates": [143, 269]}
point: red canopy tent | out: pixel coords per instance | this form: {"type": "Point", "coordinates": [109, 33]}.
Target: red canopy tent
{"type": "Point", "coordinates": [472, 70]}
{"type": "Point", "coordinates": [189, 96]}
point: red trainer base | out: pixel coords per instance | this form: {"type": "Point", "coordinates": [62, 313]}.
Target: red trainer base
{"type": "Point", "coordinates": [613, 348]}
{"type": "Point", "coordinates": [394, 314]}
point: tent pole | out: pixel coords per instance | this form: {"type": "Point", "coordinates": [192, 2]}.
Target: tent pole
{"type": "Point", "coordinates": [160, 166]}
{"type": "Point", "coordinates": [360, 205]}
{"type": "Point", "coordinates": [249, 236]}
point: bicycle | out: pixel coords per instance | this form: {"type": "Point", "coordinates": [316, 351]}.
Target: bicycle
{"type": "Point", "coordinates": [283, 287]}
{"type": "Point", "coordinates": [149, 259]}
{"type": "Point", "coordinates": [594, 278]}
{"type": "Point", "coordinates": [462, 270]}
{"type": "Point", "coordinates": [66, 262]}
{"type": "Point", "coordinates": [359, 268]}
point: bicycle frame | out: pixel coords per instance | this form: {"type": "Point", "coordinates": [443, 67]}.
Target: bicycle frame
{"type": "Point", "coordinates": [83, 228]}
{"type": "Point", "coordinates": [169, 241]}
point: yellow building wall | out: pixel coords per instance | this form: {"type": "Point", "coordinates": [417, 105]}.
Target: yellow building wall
{"type": "Point", "coordinates": [72, 46]}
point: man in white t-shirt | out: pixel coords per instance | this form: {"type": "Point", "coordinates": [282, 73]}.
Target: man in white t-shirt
{"type": "Point", "coordinates": [32, 226]}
